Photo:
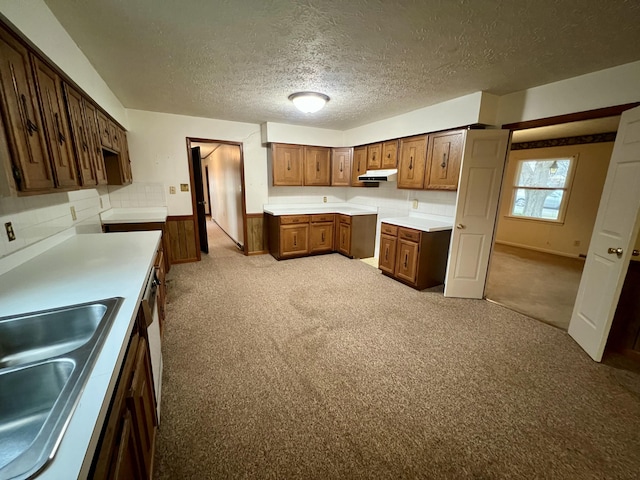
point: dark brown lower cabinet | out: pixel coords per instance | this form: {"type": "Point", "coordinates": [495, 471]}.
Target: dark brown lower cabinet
{"type": "Point", "coordinates": [126, 446]}
{"type": "Point", "coordinates": [416, 258]}
{"type": "Point", "coordinates": [301, 235]}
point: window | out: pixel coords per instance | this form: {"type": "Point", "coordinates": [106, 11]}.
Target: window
{"type": "Point", "coordinates": [541, 188]}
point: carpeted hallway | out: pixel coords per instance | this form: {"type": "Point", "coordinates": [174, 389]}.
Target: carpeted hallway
{"type": "Point", "coordinates": [323, 368]}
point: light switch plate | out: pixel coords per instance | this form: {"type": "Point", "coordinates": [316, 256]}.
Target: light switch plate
{"type": "Point", "coordinates": [184, 187]}
{"type": "Point", "coordinates": [415, 204]}
{"type": "Point", "coordinates": [172, 190]}
{"type": "Point", "coordinates": [74, 217]}
{"type": "Point", "coordinates": [11, 235]}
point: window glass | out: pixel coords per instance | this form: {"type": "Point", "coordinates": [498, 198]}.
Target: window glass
{"type": "Point", "coordinates": [541, 188]}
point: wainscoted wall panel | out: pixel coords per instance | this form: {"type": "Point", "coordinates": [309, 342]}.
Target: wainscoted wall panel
{"type": "Point", "coordinates": [183, 245]}
{"type": "Point", "coordinates": [256, 234]}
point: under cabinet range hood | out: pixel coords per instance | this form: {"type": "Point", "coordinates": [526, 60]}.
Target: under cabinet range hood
{"type": "Point", "coordinates": [388, 175]}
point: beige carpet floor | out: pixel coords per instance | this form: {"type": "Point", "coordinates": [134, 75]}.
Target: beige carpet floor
{"type": "Point", "coordinates": [322, 368]}
{"type": "Point", "coordinates": [538, 284]}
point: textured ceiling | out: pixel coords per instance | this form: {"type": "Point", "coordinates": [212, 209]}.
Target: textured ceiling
{"type": "Point", "coordinates": [571, 129]}
{"type": "Point", "coordinates": [240, 59]}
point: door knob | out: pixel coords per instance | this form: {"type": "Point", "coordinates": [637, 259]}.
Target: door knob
{"type": "Point", "coordinates": [618, 251]}
{"type": "Point", "coordinates": [635, 253]}
{"type": "Point", "coordinates": [461, 226]}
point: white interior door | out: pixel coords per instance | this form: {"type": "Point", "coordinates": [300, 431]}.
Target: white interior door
{"type": "Point", "coordinates": [483, 162]}
{"type": "Point", "coordinates": [612, 241]}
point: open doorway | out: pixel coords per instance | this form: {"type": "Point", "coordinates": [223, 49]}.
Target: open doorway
{"type": "Point", "coordinates": [549, 201]}
{"type": "Point", "coordinates": [220, 179]}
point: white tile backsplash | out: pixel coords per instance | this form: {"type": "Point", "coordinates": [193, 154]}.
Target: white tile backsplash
{"type": "Point", "coordinates": [42, 216]}
{"type": "Point", "coordinates": [138, 194]}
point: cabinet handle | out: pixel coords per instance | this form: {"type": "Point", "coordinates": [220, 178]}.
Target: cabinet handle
{"type": "Point", "coordinates": [288, 164]}
{"type": "Point", "coordinates": [323, 237]}
{"type": "Point", "coordinates": [410, 163]}
{"type": "Point", "coordinates": [386, 253]}
{"type": "Point", "coordinates": [388, 155]}
{"type": "Point", "coordinates": [340, 166]}
{"type": "Point", "coordinates": [295, 240]}
{"type": "Point", "coordinates": [358, 165]}
{"type": "Point", "coordinates": [31, 127]}
{"type": "Point", "coordinates": [317, 165]}
{"type": "Point", "coordinates": [83, 138]}
{"type": "Point", "coordinates": [61, 138]}
{"type": "Point", "coordinates": [444, 160]}
{"type": "Point", "coordinates": [406, 260]}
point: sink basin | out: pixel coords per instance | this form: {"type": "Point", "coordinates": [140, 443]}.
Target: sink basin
{"type": "Point", "coordinates": [48, 334]}
{"type": "Point", "coordinates": [46, 359]}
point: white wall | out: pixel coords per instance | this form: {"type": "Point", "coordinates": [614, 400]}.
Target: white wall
{"type": "Point", "coordinates": [158, 150]}
{"type": "Point", "coordinates": [301, 135]}
{"type": "Point", "coordinates": [34, 19]}
{"type": "Point", "coordinates": [584, 199]}
{"type": "Point", "coordinates": [614, 86]}
{"type": "Point", "coordinates": [226, 190]}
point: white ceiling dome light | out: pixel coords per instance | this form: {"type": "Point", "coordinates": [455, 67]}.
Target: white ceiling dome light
{"type": "Point", "coordinates": [309, 102]}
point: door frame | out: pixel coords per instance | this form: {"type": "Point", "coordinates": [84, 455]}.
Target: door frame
{"type": "Point", "coordinates": [245, 245]}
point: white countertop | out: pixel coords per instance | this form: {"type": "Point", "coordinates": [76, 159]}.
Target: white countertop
{"type": "Point", "coordinates": [311, 209]}
{"type": "Point", "coordinates": [81, 269]}
{"type": "Point", "coordinates": [134, 215]}
{"type": "Point", "coordinates": [425, 223]}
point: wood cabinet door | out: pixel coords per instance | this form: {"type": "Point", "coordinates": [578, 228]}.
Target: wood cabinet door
{"type": "Point", "coordinates": [321, 237]}
{"type": "Point", "coordinates": [23, 124]}
{"type": "Point", "coordinates": [317, 166]}
{"type": "Point", "coordinates": [287, 164]}
{"type": "Point", "coordinates": [294, 239]}
{"type": "Point", "coordinates": [142, 404]}
{"type": "Point", "coordinates": [390, 154]}
{"type": "Point", "coordinates": [413, 159]}
{"type": "Point", "coordinates": [444, 160]}
{"type": "Point", "coordinates": [81, 139]}
{"type": "Point", "coordinates": [103, 128]}
{"type": "Point", "coordinates": [341, 166]}
{"type": "Point", "coordinates": [374, 156]}
{"type": "Point", "coordinates": [56, 123]}
{"type": "Point", "coordinates": [407, 260]}
{"type": "Point", "coordinates": [91, 122]}
{"type": "Point", "coordinates": [129, 462]}
{"type": "Point", "coordinates": [125, 161]}
{"type": "Point", "coordinates": [115, 138]}
{"type": "Point", "coordinates": [344, 239]}
{"type": "Point", "coordinates": [387, 256]}
{"type": "Point", "coordinates": [358, 166]}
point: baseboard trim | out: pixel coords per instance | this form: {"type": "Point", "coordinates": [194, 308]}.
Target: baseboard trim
{"type": "Point", "coordinates": [542, 250]}
{"type": "Point", "coordinates": [258, 252]}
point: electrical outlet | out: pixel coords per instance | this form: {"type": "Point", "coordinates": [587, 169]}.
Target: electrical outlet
{"type": "Point", "coordinates": [172, 190]}
{"type": "Point", "coordinates": [324, 199]}
{"type": "Point", "coordinates": [74, 217]}
{"type": "Point", "coordinates": [415, 204]}
{"type": "Point", "coordinates": [11, 235]}
{"type": "Point", "coordinates": [184, 187]}
{"type": "Point", "coordinates": [576, 243]}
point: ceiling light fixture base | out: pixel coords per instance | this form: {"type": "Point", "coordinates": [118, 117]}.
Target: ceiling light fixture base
{"type": "Point", "coordinates": [309, 102]}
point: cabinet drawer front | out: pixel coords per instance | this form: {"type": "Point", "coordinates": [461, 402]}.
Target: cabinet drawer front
{"type": "Point", "coordinates": [389, 229]}
{"type": "Point", "coordinates": [322, 218]}
{"type": "Point", "coordinates": [409, 234]}
{"type": "Point", "coordinates": [345, 219]}
{"type": "Point", "coordinates": [287, 219]}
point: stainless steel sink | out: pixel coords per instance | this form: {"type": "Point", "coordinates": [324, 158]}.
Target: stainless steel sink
{"type": "Point", "coordinates": [45, 361]}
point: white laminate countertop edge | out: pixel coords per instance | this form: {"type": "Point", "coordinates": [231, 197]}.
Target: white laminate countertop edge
{"type": "Point", "coordinates": [81, 269]}
{"type": "Point", "coordinates": [134, 215]}
{"type": "Point", "coordinates": [311, 209]}
{"type": "Point", "coordinates": [421, 223]}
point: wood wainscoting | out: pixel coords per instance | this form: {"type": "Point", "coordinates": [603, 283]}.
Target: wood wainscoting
{"type": "Point", "coordinates": [256, 241]}
{"type": "Point", "coordinates": [182, 239]}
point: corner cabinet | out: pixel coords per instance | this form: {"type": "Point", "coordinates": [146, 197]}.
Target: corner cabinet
{"type": "Point", "coordinates": [414, 257]}
{"type": "Point", "coordinates": [293, 236]}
